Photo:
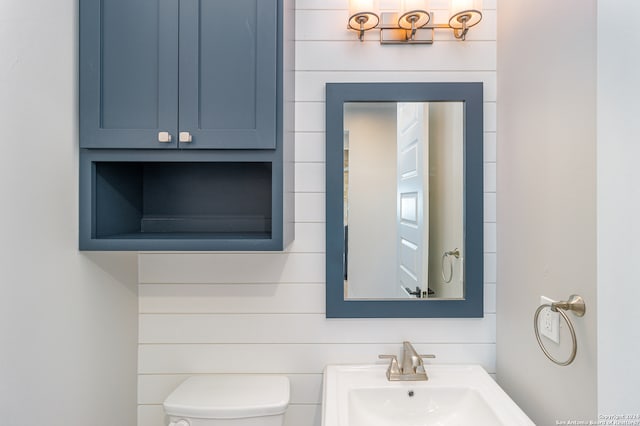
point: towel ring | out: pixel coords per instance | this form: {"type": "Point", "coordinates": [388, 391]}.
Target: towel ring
{"type": "Point", "coordinates": [455, 253]}
{"type": "Point", "coordinates": [576, 305]}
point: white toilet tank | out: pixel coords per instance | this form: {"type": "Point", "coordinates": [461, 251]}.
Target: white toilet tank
{"type": "Point", "coordinates": [229, 400]}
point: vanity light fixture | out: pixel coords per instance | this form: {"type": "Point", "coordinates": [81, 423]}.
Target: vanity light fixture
{"type": "Point", "coordinates": [413, 22]}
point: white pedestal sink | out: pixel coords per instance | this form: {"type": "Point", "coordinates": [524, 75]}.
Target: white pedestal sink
{"type": "Point", "coordinates": [464, 395]}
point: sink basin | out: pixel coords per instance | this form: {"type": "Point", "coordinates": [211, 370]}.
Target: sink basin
{"type": "Point", "coordinates": [361, 395]}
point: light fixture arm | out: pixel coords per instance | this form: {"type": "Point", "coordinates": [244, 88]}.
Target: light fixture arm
{"type": "Point", "coordinates": [361, 20]}
{"type": "Point", "coordinates": [461, 33]}
{"type": "Point", "coordinates": [411, 34]}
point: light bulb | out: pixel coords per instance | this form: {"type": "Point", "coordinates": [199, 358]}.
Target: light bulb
{"type": "Point", "coordinates": [360, 6]}
{"type": "Point", "coordinates": [413, 14]}
{"type": "Point", "coordinates": [409, 5]}
{"type": "Point", "coordinates": [458, 6]}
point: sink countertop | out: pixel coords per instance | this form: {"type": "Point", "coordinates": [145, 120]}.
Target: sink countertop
{"type": "Point", "coordinates": [452, 394]}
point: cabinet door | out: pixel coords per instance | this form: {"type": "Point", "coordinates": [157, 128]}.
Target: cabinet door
{"type": "Point", "coordinates": [128, 73]}
{"type": "Point", "coordinates": [228, 73]}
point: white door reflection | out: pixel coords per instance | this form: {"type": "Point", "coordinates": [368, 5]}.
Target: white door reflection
{"type": "Point", "coordinates": [403, 200]}
{"type": "Point", "coordinates": [413, 206]}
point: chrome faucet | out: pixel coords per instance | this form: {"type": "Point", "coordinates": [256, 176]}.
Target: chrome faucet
{"type": "Point", "coordinates": [412, 367]}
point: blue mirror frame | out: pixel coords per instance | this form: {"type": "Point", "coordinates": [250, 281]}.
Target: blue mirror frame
{"type": "Point", "coordinates": [471, 305]}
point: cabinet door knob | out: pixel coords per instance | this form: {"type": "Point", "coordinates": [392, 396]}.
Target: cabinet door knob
{"type": "Point", "coordinates": [164, 137]}
{"type": "Point", "coordinates": [186, 137]}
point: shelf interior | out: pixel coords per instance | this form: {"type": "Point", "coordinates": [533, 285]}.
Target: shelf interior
{"type": "Point", "coordinates": [183, 200]}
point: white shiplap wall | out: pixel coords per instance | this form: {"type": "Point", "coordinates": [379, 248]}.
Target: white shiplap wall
{"type": "Point", "coordinates": [264, 312]}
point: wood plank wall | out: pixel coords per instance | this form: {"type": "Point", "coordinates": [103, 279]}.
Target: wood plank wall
{"type": "Point", "coordinates": [264, 312]}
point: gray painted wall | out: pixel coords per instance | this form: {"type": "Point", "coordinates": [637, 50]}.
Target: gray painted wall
{"type": "Point", "coordinates": [618, 211]}
{"type": "Point", "coordinates": [372, 203]}
{"type": "Point", "coordinates": [546, 199]}
{"type": "Point", "coordinates": [446, 207]}
{"type": "Point", "coordinates": [68, 320]}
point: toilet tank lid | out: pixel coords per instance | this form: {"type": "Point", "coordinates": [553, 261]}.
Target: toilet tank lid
{"type": "Point", "coordinates": [227, 396]}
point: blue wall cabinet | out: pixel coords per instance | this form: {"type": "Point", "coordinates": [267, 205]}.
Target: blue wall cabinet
{"type": "Point", "coordinates": [186, 124]}
{"type": "Point", "coordinates": [191, 74]}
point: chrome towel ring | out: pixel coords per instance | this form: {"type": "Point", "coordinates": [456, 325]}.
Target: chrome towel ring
{"type": "Point", "coordinates": [576, 305]}
{"type": "Point", "coordinates": [446, 255]}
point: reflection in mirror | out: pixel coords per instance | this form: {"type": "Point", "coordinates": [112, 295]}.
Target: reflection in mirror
{"type": "Point", "coordinates": [403, 200]}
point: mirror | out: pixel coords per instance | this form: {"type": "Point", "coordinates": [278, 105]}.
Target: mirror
{"type": "Point", "coordinates": [404, 200]}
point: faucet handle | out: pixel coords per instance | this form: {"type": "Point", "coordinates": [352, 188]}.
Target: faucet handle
{"type": "Point", "coordinates": [394, 367]}
{"type": "Point", "coordinates": [421, 366]}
